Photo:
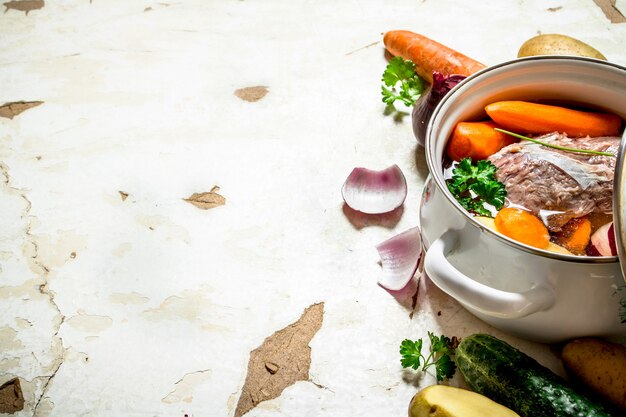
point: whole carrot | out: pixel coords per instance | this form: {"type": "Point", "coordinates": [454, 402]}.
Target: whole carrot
{"type": "Point", "coordinates": [538, 119]}
{"type": "Point", "coordinates": [476, 140]}
{"type": "Point", "coordinates": [428, 55]}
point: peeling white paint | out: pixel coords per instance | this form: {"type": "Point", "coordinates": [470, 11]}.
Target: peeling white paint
{"type": "Point", "coordinates": [122, 249]}
{"type": "Point", "coordinates": [9, 340]}
{"type": "Point", "coordinates": [185, 387]}
{"type": "Point", "coordinates": [54, 251]}
{"type": "Point", "coordinates": [89, 323]}
{"type": "Point", "coordinates": [162, 224]}
{"type": "Point", "coordinates": [108, 302]}
{"type": "Point", "coordinates": [128, 298]}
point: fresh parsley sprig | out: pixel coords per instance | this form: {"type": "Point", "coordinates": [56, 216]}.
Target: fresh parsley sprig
{"type": "Point", "coordinates": [401, 82]}
{"type": "Point", "coordinates": [474, 185]}
{"type": "Point", "coordinates": [440, 355]}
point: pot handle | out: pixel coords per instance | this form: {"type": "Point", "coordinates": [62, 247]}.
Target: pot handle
{"type": "Point", "coordinates": [487, 300]}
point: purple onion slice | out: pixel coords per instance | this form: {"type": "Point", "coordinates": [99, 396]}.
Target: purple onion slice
{"type": "Point", "coordinates": [375, 192]}
{"type": "Point", "coordinates": [603, 241]}
{"type": "Point", "coordinates": [400, 256]}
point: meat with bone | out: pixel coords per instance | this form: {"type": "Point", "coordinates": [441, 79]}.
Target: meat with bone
{"type": "Point", "coordinates": [558, 185]}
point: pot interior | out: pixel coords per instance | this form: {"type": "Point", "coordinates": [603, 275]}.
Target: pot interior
{"type": "Point", "coordinates": [576, 81]}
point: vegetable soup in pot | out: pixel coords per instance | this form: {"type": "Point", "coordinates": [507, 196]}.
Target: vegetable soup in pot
{"type": "Point", "coordinates": [540, 174]}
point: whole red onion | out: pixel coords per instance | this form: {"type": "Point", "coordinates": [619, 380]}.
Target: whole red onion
{"type": "Point", "coordinates": [424, 106]}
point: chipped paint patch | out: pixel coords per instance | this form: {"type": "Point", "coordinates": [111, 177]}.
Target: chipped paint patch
{"type": "Point", "coordinates": [122, 249]}
{"type": "Point", "coordinates": [187, 307]}
{"type": "Point", "coordinates": [55, 251]}
{"type": "Point", "coordinates": [47, 354]}
{"type": "Point", "coordinates": [164, 225]}
{"type": "Point", "coordinates": [24, 5]}
{"type": "Point", "coordinates": [76, 356]}
{"type": "Point", "coordinates": [11, 397]}
{"type": "Point", "coordinates": [207, 200]}
{"type": "Point", "coordinates": [282, 359]}
{"type": "Point", "coordinates": [252, 94]}
{"type": "Point", "coordinates": [57, 167]}
{"type": "Point", "coordinates": [27, 290]}
{"type": "Point", "coordinates": [9, 340]}
{"type": "Point", "coordinates": [8, 365]}
{"type": "Point", "coordinates": [132, 298]}
{"type": "Point", "coordinates": [610, 10]}
{"type": "Point", "coordinates": [23, 323]}
{"type": "Point", "coordinates": [184, 388]}
{"type": "Point", "coordinates": [89, 323]}
{"type": "Point", "coordinates": [190, 306]}
{"type": "Point", "coordinates": [45, 407]}
{"type": "Point", "coordinates": [12, 109]}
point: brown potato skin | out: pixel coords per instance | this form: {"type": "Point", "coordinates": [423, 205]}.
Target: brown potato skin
{"type": "Point", "coordinates": [599, 365]}
{"type": "Point", "coordinates": [556, 44]}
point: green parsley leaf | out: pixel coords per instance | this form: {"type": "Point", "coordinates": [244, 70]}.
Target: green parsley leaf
{"type": "Point", "coordinates": [440, 344]}
{"type": "Point", "coordinates": [411, 352]}
{"type": "Point", "coordinates": [397, 70]}
{"type": "Point", "coordinates": [401, 82]}
{"type": "Point", "coordinates": [440, 355]}
{"type": "Point", "coordinates": [491, 192]}
{"type": "Point", "coordinates": [473, 186]}
{"type": "Point", "coordinates": [445, 367]}
{"type": "Point", "coordinates": [484, 170]}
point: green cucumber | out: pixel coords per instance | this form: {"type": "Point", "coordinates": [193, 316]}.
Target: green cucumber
{"type": "Point", "coordinates": [499, 371]}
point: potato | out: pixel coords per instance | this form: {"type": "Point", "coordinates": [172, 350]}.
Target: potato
{"type": "Point", "coordinates": [555, 44]}
{"type": "Point", "coordinates": [446, 401]}
{"type": "Point", "coordinates": [599, 365]}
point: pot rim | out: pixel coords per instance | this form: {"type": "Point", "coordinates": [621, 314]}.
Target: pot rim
{"type": "Point", "coordinates": [440, 182]}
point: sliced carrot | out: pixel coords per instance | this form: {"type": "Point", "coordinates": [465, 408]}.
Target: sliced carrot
{"type": "Point", "coordinates": [523, 226]}
{"type": "Point", "coordinates": [428, 55]}
{"type": "Point", "coordinates": [477, 140]}
{"type": "Point", "coordinates": [552, 247]}
{"type": "Point", "coordinates": [575, 235]}
{"type": "Point", "coordinates": [535, 118]}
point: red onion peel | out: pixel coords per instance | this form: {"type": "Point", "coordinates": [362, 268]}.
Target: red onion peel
{"type": "Point", "coordinates": [603, 241]}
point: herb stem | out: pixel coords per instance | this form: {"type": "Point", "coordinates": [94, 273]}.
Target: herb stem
{"type": "Point", "coordinates": [428, 361]}
{"type": "Point", "coordinates": [549, 145]}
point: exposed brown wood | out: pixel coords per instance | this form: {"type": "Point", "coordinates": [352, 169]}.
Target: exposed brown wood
{"type": "Point", "coordinates": [608, 7]}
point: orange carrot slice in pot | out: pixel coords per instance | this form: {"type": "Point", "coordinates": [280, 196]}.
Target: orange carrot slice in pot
{"type": "Point", "coordinates": [522, 226]}
{"type": "Point", "coordinates": [476, 140]}
{"type": "Point", "coordinates": [575, 235]}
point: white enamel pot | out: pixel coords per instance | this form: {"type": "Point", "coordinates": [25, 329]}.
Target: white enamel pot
{"type": "Point", "coordinates": [528, 292]}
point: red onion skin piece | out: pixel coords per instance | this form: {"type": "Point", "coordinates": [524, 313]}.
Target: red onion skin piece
{"type": "Point", "coordinates": [612, 243]}
{"type": "Point", "coordinates": [375, 192]}
{"type": "Point", "coordinates": [603, 242]}
{"type": "Point", "coordinates": [400, 257]}
{"type": "Point", "coordinates": [424, 106]}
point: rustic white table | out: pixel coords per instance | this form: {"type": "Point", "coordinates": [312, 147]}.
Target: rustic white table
{"type": "Point", "coordinates": [173, 240]}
